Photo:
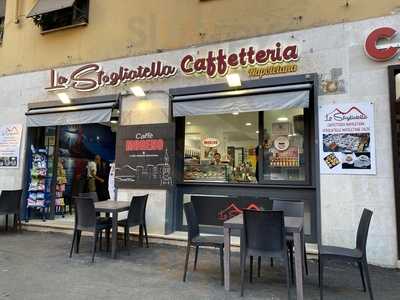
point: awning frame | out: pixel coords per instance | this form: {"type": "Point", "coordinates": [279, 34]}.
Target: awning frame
{"type": "Point", "coordinates": [51, 5]}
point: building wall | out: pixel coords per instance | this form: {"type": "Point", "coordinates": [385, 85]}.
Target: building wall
{"type": "Point", "coordinates": [121, 28]}
{"type": "Point", "coordinates": [321, 49]}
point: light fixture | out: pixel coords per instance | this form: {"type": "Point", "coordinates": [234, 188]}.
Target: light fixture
{"type": "Point", "coordinates": [282, 119]}
{"type": "Point", "coordinates": [138, 91]}
{"type": "Point", "coordinates": [248, 124]}
{"type": "Point", "coordinates": [114, 120]}
{"type": "Point", "coordinates": [64, 98]}
{"type": "Point", "coordinates": [257, 131]}
{"type": "Point", "coordinates": [188, 123]}
{"type": "Point", "coordinates": [235, 113]}
{"type": "Point", "coordinates": [234, 80]}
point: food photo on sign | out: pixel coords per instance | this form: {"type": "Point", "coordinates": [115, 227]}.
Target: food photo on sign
{"type": "Point", "coordinates": [347, 143]}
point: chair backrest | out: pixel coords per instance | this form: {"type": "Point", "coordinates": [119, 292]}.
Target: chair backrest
{"type": "Point", "coordinates": [137, 210]}
{"type": "Point", "coordinates": [362, 231]}
{"type": "Point", "coordinates": [92, 195]}
{"type": "Point", "coordinates": [264, 231]}
{"type": "Point", "coordinates": [289, 208]}
{"type": "Point", "coordinates": [85, 218]}
{"type": "Point", "coordinates": [192, 222]}
{"type": "Point", "coordinates": [10, 201]}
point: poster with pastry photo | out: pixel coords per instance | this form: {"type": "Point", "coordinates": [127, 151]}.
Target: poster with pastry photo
{"type": "Point", "coordinates": [347, 140]}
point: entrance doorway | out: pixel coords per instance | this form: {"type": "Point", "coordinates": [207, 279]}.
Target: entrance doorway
{"type": "Point", "coordinates": [394, 90]}
{"type": "Point", "coordinates": [57, 168]}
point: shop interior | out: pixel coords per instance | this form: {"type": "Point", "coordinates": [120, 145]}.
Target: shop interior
{"type": "Point", "coordinates": [229, 147]}
{"type": "Point", "coordinates": [57, 167]}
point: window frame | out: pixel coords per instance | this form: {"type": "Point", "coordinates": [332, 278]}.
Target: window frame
{"type": "Point", "coordinates": [307, 112]}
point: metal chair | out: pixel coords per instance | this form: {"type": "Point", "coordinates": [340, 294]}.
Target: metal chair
{"type": "Point", "coordinates": [10, 203]}
{"type": "Point", "coordinates": [264, 236]}
{"type": "Point", "coordinates": [358, 254]}
{"type": "Point", "coordinates": [292, 209]}
{"type": "Point", "coordinates": [196, 240]}
{"type": "Point", "coordinates": [86, 220]}
{"type": "Point", "coordinates": [136, 217]}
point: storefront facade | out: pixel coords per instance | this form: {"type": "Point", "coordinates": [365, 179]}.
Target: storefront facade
{"type": "Point", "coordinates": [250, 144]}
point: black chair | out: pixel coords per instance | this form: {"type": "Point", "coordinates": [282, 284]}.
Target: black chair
{"type": "Point", "coordinates": [358, 255]}
{"type": "Point", "coordinates": [86, 220]}
{"type": "Point", "coordinates": [196, 240]}
{"type": "Point", "coordinates": [10, 203]}
{"type": "Point", "coordinates": [292, 209]}
{"type": "Point", "coordinates": [264, 236]}
{"type": "Point", "coordinates": [136, 217]}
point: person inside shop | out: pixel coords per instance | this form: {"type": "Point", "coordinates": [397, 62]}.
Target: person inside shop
{"type": "Point", "coordinates": [266, 154]}
{"type": "Point", "coordinates": [101, 179]}
{"type": "Point", "coordinates": [91, 177]}
{"type": "Point", "coordinates": [216, 159]}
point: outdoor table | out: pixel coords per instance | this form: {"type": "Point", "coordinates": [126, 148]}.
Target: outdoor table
{"type": "Point", "coordinates": [293, 225]}
{"type": "Point", "coordinates": [113, 207]}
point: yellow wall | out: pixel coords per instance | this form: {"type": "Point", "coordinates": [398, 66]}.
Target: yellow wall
{"type": "Point", "coordinates": [119, 28]}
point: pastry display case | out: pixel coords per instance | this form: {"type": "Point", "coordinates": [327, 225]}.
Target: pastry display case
{"type": "Point", "coordinates": [205, 173]}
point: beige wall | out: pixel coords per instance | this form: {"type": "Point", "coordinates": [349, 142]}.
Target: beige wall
{"type": "Point", "coordinates": [120, 28]}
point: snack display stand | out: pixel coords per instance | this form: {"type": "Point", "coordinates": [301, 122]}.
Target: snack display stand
{"type": "Point", "coordinates": [39, 196]}
{"type": "Point", "coordinates": [60, 189]}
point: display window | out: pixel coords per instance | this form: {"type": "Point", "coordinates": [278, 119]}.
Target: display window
{"type": "Point", "coordinates": [264, 147]}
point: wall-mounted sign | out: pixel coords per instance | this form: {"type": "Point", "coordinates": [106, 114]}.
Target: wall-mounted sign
{"type": "Point", "coordinates": [91, 77]}
{"type": "Point", "coordinates": [219, 62]}
{"type": "Point", "coordinates": [347, 141]}
{"type": "Point", "coordinates": [378, 51]}
{"type": "Point", "coordinates": [281, 143]}
{"type": "Point", "coordinates": [144, 156]}
{"type": "Point", "coordinates": [257, 62]}
{"type": "Point", "coordinates": [210, 142]}
{"type": "Point", "coordinates": [10, 144]}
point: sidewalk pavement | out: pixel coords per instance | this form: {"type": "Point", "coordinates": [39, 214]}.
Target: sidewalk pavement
{"type": "Point", "coordinates": [36, 266]}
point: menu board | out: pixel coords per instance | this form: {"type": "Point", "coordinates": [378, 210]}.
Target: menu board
{"type": "Point", "coordinates": [347, 141]}
{"type": "Point", "coordinates": [10, 144]}
{"type": "Point", "coordinates": [144, 157]}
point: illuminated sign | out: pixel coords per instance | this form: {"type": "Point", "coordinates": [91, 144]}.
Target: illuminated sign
{"type": "Point", "coordinates": [257, 62]}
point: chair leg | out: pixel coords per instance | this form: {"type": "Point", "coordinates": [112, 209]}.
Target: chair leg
{"type": "Point", "coordinates": [73, 242]}
{"type": "Point", "coordinates": [108, 239]}
{"type": "Point", "coordinates": [6, 228]}
{"type": "Point", "coordinates": [141, 235]}
{"type": "Point", "coordinates": [96, 233]}
{"type": "Point", "coordinates": [186, 261]}
{"type": "Point", "coordinates": [19, 223]}
{"type": "Point", "coordinates": [288, 274]}
{"type": "Point", "coordinates": [195, 258]}
{"type": "Point", "coordinates": [78, 241]}
{"type": "Point", "coordinates": [145, 234]}
{"type": "Point", "coordinates": [321, 277]}
{"type": "Point", "coordinates": [291, 262]}
{"type": "Point", "coordinates": [272, 262]}
{"type": "Point", "coordinates": [259, 267]}
{"type": "Point", "coordinates": [221, 262]}
{"type": "Point", "coordinates": [305, 259]}
{"type": "Point", "coordinates": [242, 269]}
{"type": "Point", "coordinates": [367, 279]}
{"type": "Point", "coordinates": [126, 228]}
{"type": "Point", "coordinates": [251, 269]}
{"type": "Point", "coordinates": [101, 240]}
{"type": "Point", "coordinates": [362, 275]}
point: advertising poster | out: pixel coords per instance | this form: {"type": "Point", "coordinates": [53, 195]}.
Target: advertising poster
{"type": "Point", "coordinates": [347, 141]}
{"type": "Point", "coordinates": [10, 144]}
{"type": "Point", "coordinates": [144, 156]}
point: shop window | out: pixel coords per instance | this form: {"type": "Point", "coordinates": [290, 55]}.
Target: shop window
{"type": "Point", "coordinates": [256, 147]}
{"type": "Point", "coordinates": [50, 16]}
{"type": "Point", "coordinates": [283, 145]}
{"type": "Point", "coordinates": [221, 148]}
{"type": "Point", "coordinates": [2, 18]}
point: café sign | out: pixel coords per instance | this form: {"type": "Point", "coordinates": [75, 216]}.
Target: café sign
{"type": "Point", "coordinates": [257, 62]}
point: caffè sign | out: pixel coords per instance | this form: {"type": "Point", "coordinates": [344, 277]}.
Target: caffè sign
{"type": "Point", "coordinates": [258, 62]}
